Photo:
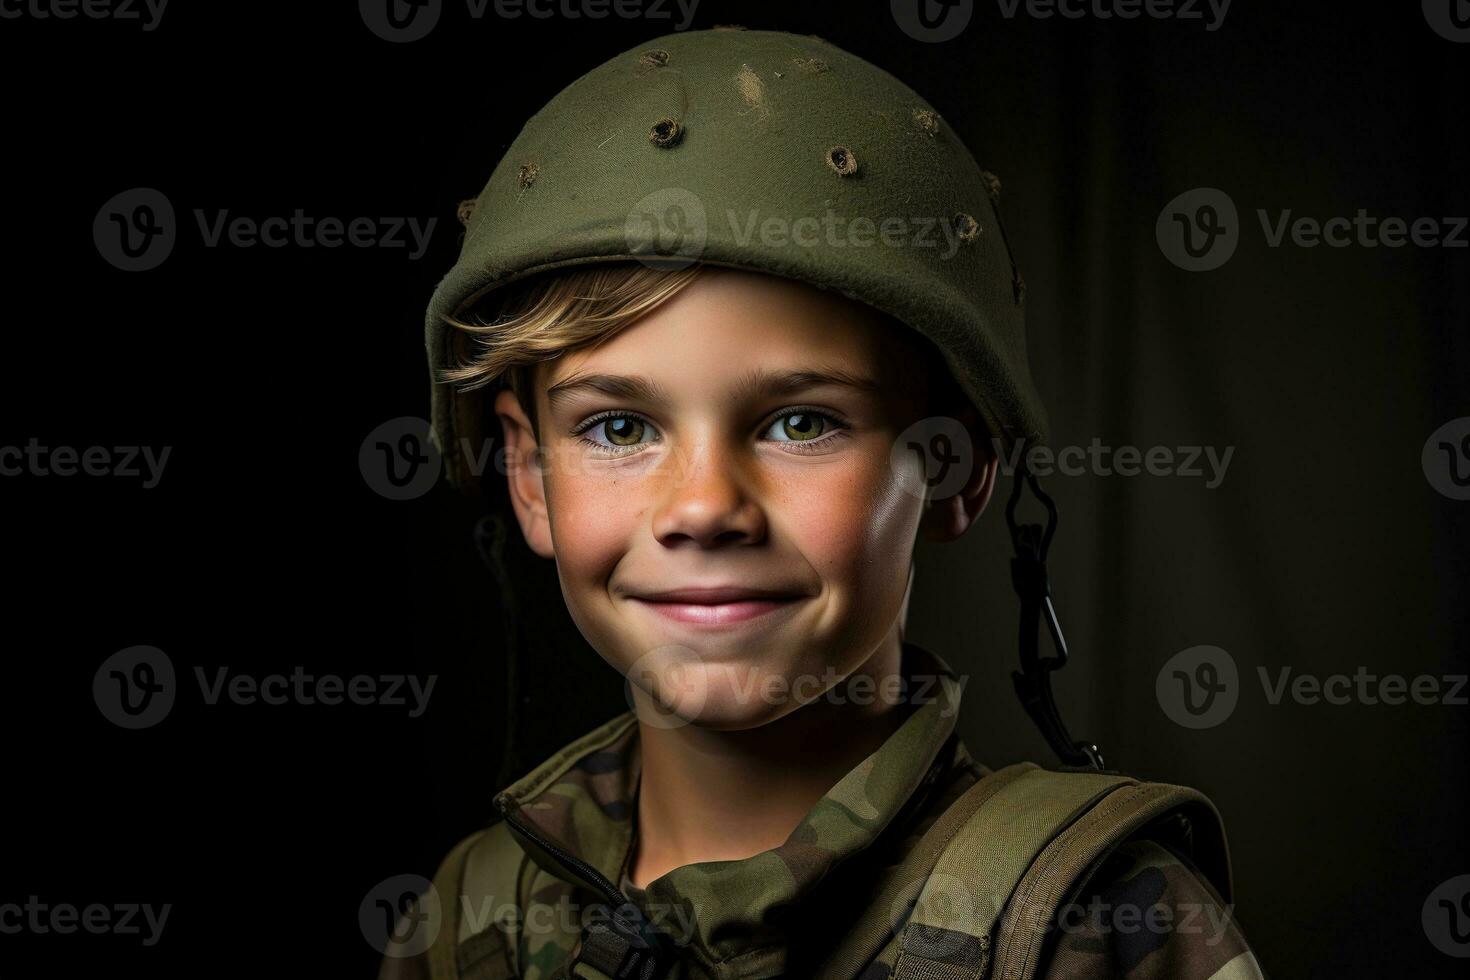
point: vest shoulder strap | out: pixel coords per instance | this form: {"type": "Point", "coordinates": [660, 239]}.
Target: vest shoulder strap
{"type": "Point", "coordinates": [1019, 855]}
{"type": "Point", "coordinates": [877, 926]}
{"type": "Point", "coordinates": [1178, 816]}
{"type": "Point", "coordinates": [477, 886]}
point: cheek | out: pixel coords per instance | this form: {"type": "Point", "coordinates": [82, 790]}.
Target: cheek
{"type": "Point", "coordinates": [853, 520]}
{"type": "Point", "coordinates": [593, 517]}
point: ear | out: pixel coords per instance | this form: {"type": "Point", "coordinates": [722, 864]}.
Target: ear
{"type": "Point", "coordinates": [525, 473]}
{"type": "Point", "coordinates": [946, 518]}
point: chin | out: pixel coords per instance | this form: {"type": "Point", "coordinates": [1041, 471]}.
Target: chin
{"type": "Point", "coordinates": [709, 691]}
{"type": "Point", "coordinates": [730, 714]}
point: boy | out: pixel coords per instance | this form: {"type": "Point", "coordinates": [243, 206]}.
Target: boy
{"type": "Point", "coordinates": [727, 441]}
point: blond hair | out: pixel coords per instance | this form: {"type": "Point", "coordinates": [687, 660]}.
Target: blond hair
{"type": "Point", "coordinates": [545, 316]}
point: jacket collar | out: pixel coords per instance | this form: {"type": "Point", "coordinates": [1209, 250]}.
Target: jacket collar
{"type": "Point", "coordinates": [574, 815]}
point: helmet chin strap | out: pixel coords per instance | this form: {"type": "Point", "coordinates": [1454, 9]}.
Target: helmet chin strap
{"type": "Point", "coordinates": [1028, 575]}
{"type": "Point", "coordinates": [903, 611]}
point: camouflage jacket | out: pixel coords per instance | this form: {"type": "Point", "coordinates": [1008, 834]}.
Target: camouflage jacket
{"type": "Point", "coordinates": [569, 826]}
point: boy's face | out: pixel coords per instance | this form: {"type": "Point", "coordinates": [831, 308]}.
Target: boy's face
{"type": "Point", "coordinates": [737, 438]}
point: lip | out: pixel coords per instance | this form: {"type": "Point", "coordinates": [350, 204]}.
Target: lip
{"type": "Point", "coordinates": [718, 605]}
{"type": "Point", "coordinates": [713, 594]}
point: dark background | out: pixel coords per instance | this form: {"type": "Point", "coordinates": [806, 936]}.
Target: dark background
{"type": "Point", "coordinates": [1325, 549]}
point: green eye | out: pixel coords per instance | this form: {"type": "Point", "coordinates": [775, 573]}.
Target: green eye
{"type": "Point", "coordinates": [799, 427]}
{"type": "Point", "coordinates": [615, 431]}
{"type": "Point", "coordinates": [623, 430]}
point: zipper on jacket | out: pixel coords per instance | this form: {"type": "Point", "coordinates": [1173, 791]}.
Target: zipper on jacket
{"type": "Point", "coordinates": [600, 883]}
{"type": "Point", "coordinates": [615, 898]}
{"type": "Point", "coordinates": [644, 950]}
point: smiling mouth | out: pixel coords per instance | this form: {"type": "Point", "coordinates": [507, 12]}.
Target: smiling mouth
{"type": "Point", "coordinates": [717, 607]}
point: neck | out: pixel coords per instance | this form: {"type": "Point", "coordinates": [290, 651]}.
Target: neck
{"type": "Point", "coordinates": [728, 795]}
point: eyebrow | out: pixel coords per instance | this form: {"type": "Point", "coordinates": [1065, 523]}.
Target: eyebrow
{"type": "Point", "coordinates": [751, 384]}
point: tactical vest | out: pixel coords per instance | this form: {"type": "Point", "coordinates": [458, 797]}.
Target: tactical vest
{"type": "Point", "coordinates": [989, 875]}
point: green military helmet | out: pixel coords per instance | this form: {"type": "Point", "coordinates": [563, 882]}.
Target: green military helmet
{"type": "Point", "coordinates": [684, 148]}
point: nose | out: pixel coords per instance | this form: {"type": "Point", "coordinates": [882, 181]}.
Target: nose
{"type": "Point", "coordinates": [709, 501]}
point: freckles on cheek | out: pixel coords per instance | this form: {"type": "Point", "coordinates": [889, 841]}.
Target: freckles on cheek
{"type": "Point", "coordinates": [893, 522]}
{"type": "Point", "coordinates": [850, 518]}
{"type": "Point", "coordinates": [593, 522]}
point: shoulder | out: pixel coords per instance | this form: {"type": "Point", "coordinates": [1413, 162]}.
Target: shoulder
{"type": "Point", "coordinates": [452, 922]}
{"type": "Point", "coordinates": [1147, 914]}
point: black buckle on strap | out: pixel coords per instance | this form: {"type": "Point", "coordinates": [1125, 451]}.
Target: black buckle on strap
{"type": "Point", "coordinates": [624, 945]}
{"type": "Point", "coordinates": [1033, 680]}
